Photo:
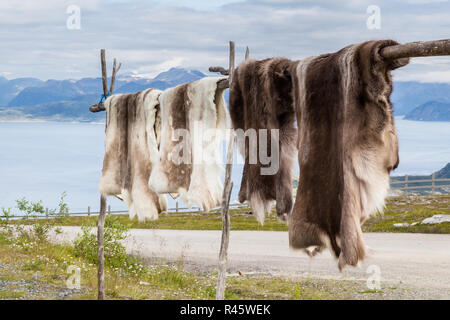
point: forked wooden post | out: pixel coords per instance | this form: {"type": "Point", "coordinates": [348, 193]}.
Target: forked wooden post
{"type": "Point", "coordinates": [104, 75]}
{"type": "Point", "coordinates": [228, 186]}
{"type": "Point", "coordinates": [113, 77]}
{"type": "Point", "coordinates": [102, 213]}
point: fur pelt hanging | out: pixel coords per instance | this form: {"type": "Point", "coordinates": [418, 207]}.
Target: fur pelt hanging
{"type": "Point", "coordinates": [347, 147]}
{"type": "Point", "coordinates": [131, 119]}
{"type": "Point", "coordinates": [187, 159]}
{"type": "Point", "coordinates": [260, 98]}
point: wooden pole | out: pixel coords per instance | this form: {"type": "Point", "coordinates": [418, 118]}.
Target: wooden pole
{"type": "Point", "coordinates": [104, 76]}
{"type": "Point", "coordinates": [247, 53]}
{"type": "Point", "coordinates": [101, 217]}
{"type": "Point", "coordinates": [228, 186]}
{"type": "Point", "coordinates": [221, 70]}
{"type": "Point", "coordinates": [223, 255]}
{"type": "Point", "coordinates": [432, 182]}
{"type": "Point", "coordinates": [101, 249]}
{"type": "Point", "coordinates": [100, 107]}
{"type": "Point", "coordinates": [417, 49]}
{"type": "Point", "coordinates": [113, 77]}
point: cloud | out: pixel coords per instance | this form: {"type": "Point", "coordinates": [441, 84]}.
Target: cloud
{"type": "Point", "coordinates": [147, 36]}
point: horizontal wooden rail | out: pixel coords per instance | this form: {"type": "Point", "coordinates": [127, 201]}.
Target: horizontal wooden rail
{"type": "Point", "coordinates": [422, 187]}
{"type": "Point", "coordinates": [418, 181]}
{"type": "Point", "coordinates": [178, 210]}
{"type": "Point", "coordinates": [417, 49]}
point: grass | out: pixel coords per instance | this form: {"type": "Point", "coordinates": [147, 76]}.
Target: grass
{"type": "Point", "coordinates": [11, 294]}
{"type": "Point", "coordinates": [412, 209]}
{"type": "Point", "coordinates": [398, 210]}
{"type": "Point", "coordinates": [30, 270]}
{"type": "Point", "coordinates": [241, 219]}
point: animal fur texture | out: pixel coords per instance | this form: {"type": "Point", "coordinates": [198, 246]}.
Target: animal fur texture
{"type": "Point", "coordinates": [347, 146]}
{"type": "Point", "coordinates": [261, 98]}
{"type": "Point", "coordinates": [131, 120]}
{"type": "Point", "coordinates": [190, 165]}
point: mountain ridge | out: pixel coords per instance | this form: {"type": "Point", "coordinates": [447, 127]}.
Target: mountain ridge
{"type": "Point", "coordinates": [28, 97]}
{"type": "Point", "coordinates": [69, 100]}
{"type": "Point", "coordinates": [430, 111]}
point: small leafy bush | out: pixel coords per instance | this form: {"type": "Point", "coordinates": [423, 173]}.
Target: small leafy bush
{"type": "Point", "coordinates": [85, 246]}
{"type": "Point", "coordinates": [63, 208]}
{"type": "Point", "coordinates": [29, 207]}
{"type": "Point", "coordinates": [6, 214]}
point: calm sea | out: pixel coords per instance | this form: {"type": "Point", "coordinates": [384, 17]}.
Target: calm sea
{"type": "Point", "coordinates": [40, 160]}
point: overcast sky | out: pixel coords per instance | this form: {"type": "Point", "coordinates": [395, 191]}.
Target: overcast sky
{"type": "Point", "coordinates": [151, 36]}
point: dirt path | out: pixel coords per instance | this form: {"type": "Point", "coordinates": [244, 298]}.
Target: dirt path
{"type": "Point", "coordinates": [417, 263]}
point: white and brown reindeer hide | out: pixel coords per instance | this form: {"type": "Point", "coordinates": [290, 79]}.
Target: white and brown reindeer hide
{"type": "Point", "coordinates": [347, 147]}
{"type": "Point", "coordinates": [261, 99]}
{"type": "Point", "coordinates": [186, 160]}
{"type": "Point", "coordinates": [131, 119]}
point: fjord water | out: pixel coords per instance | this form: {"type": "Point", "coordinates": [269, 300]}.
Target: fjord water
{"type": "Point", "coordinates": [40, 160]}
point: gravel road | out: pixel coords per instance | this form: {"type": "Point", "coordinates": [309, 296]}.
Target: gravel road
{"type": "Point", "coordinates": [418, 262]}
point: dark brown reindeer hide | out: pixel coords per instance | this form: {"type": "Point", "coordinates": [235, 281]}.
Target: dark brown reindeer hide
{"type": "Point", "coordinates": [260, 98]}
{"type": "Point", "coordinates": [131, 118]}
{"type": "Point", "coordinates": [347, 147]}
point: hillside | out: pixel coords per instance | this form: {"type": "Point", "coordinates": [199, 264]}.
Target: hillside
{"type": "Point", "coordinates": [407, 96]}
{"type": "Point", "coordinates": [9, 89]}
{"type": "Point", "coordinates": [30, 98]}
{"type": "Point", "coordinates": [443, 173]}
{"type": "Point", "coordinates": [69, 100]}
{"type": "Point", "coordinates": [430, 111]}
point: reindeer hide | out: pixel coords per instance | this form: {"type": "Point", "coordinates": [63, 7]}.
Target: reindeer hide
{"type": "Point", "coordinates": [260, 99]}
{"type": "Point", "coordinates": [188, 162]}
{"type": "Point", "coordinates": [347, 146]}
{"type": "Point", "coordinates": [131, 120]}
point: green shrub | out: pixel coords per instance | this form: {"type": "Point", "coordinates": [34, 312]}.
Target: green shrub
{"type": "Point", "coordinates": [39, 232]}
{"type": "Point", "coordinates": [6, 214]}
{"type": "Point", "coordinates": [63, 208]}
{"type": "Point", "coordinates": [85, 246]}
{"type": "Point", "coordinates": [29, 207]}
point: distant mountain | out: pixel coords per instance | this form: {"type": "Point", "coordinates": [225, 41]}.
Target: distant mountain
{"type": "Point", "coordinates": [70, 99]}
{"type": "Point", "coordinates": [407, 96]}
{"type": "Point", "coordinates": [162, 81]}
{"type": "Point", "coordinates": [176, 76]}
{"type": "Point", "coordinates": [20, 94]}
{"type": "Point", "coordinates": [51, 91]}
{"type": "Point", "coordinates": [444, 173]}
{"type": "Point", "coordinates": [11, 88]}
{"type": "Point", "coordinates": [76, 109]}
{"type": "Point", "coordinates": [430, 111]}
